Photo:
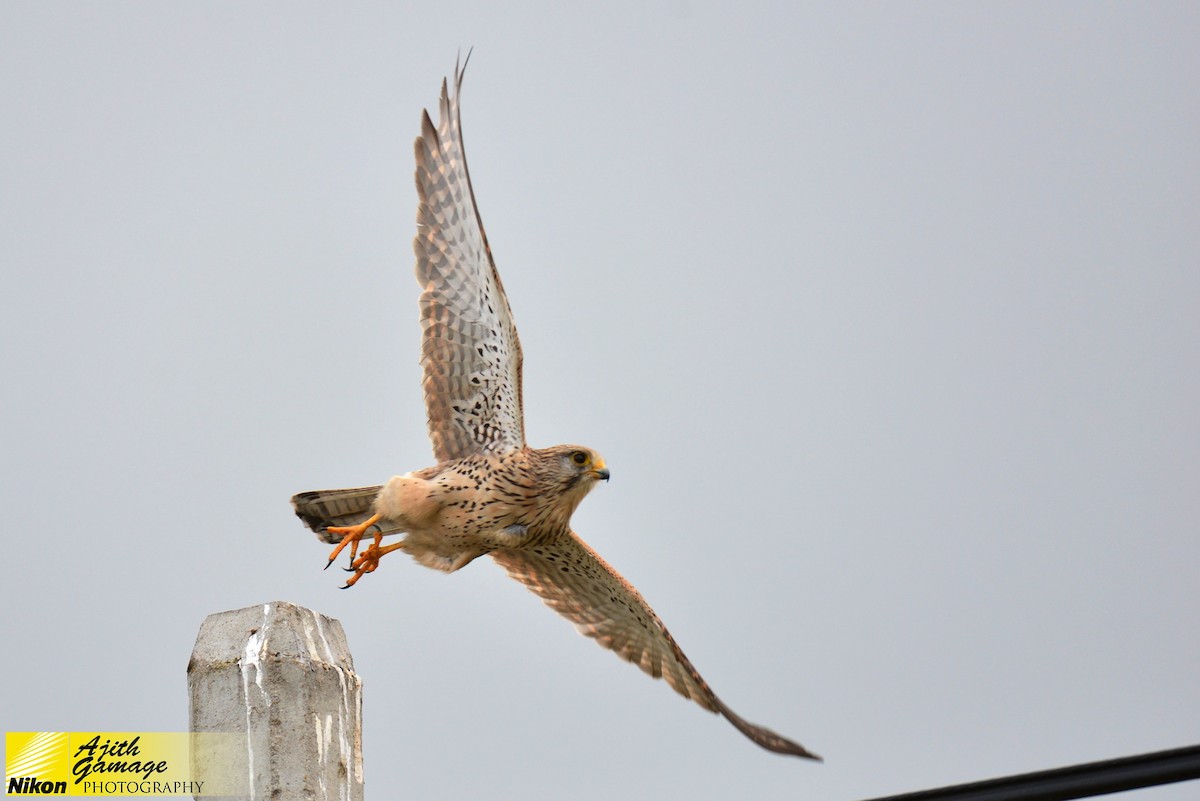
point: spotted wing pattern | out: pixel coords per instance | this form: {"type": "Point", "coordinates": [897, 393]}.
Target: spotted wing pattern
{"type": "Point", "coordinates": [469, 351]}
{"type": "Point", "coordinates": [574, 581]}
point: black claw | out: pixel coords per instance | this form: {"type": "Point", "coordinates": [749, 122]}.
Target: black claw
{"type": "Point", "coordinates": [349, 570]}
{"type": "Point", "coordinates": [327, 564]}
{"type": "Point", "coordinates": [344, 587]}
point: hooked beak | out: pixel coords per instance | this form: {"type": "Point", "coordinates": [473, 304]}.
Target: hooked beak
{"type": "Point", "coordinates": [600, 470]}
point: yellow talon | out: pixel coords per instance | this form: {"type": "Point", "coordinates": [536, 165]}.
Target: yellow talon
{"type": "Point", "coordinates": [352, 534]}
{"type": "Point", "coordinates": [369, 560]}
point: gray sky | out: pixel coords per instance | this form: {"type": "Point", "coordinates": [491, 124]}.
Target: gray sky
{"type": "Point", "coordinates": [885, 316]}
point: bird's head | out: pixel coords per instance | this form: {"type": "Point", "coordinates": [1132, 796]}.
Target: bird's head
{"type": "Point", "coordinates": [569, 471]}
{"type": "Point", "coordinates": [565, 475]}
{"type": "Point", "coordinates": [579, 466]}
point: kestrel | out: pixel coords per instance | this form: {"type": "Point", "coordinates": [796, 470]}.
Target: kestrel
{"type": "Point", "coordinates": [490, 493]}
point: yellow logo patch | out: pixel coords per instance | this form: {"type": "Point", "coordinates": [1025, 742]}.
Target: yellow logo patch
{"type": "Point", "coordinates": [119, 763]}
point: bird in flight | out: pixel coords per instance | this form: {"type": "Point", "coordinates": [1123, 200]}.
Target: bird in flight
{"type": "Point", "coordinates": [490, 493]}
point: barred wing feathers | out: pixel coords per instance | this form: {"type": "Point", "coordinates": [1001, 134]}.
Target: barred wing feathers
{"type": "Point", "coordinates": [574, 581]}
{"type": "Point", "coordinates": [469, 350]}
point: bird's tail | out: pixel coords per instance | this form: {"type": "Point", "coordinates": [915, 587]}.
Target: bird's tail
{"type": "Point", "coordinates": [321, 509]}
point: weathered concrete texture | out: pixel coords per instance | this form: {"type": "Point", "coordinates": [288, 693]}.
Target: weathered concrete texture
{"type": "Point", "coordinates": [283, 675]}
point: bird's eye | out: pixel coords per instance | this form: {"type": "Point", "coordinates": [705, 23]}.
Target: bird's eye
{"type": "Point", "coordinates": [579, 457]}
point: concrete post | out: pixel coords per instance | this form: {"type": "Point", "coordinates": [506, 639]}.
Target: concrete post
{"type": "Point", "coordinates": [283, 675]}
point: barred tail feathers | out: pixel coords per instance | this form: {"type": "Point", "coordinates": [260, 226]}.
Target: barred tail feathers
{"type": "Point", "coordinates": [321, 509]}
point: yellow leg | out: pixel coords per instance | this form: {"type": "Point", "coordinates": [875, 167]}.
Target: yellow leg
{"type": "Point", "coordinates": [352, 534]}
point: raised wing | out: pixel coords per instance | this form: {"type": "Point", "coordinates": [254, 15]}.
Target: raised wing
{"type": "Point", "coordinates": [469, 348]}
{"type": "Point", "coordinates": [575, 582]}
